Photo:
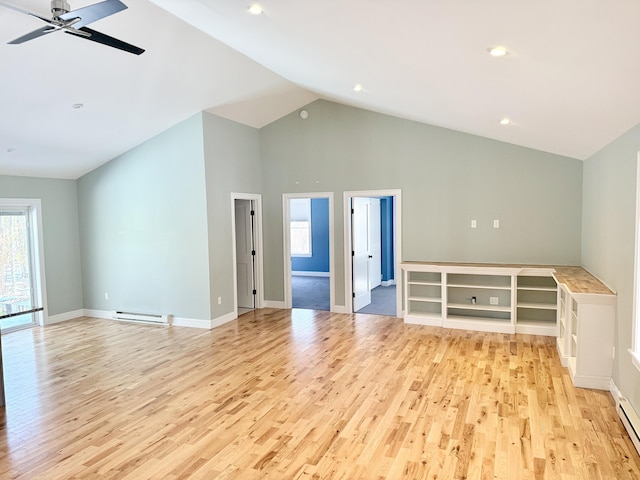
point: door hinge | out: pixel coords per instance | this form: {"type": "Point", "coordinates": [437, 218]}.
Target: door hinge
{"type": "Point", "coordinates": [253, 212]}
{"type": "Point", "coordinates": [255, 291]}
{"type": "Point", "coordinates": [253, 252]}
{"type": "Point", "coordinates": [353, 253]}
{"type": "Point", "coordinates": [352, 211]}
{"type": "Point", "coordinates": [353, 294]}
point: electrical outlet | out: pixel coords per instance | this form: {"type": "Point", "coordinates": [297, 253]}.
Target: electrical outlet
{"type": "Point", "coordinates": [106, 295]}
{"type": "Point", "coordinates": [493, 300]}
{"type": "Point", "coordinates": [474, 224]}
{"type": "Point", "coordinates": [219, 300]}
{"type": "Point", "coordinates": [496, 224]}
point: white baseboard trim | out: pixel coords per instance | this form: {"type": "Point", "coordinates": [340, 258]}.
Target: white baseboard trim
{"type": "Point", "coordinates": [63, 317]}
{"type": "Point", "coordinates": [310, 274]}
{"type": "Point", "coordinates": [175, 321]}
{"type": "Point", "coordinates": [216, 322]}
{"type": "Point", "coordinates": [615, 392]}
{"type": "Point", "coordinates": [104, 314]}
{"type": "Point", "coordinates": [273, 304]}
{"type": "Point", "coordinates": [339, 309]}
{"type": "Point", "coordinates": [190, 322]}
{"type": "Point", "coordinates": [388, 283]}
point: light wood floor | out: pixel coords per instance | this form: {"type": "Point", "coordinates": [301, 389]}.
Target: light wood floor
{"type": "Point", "coordinates": [300, 395]}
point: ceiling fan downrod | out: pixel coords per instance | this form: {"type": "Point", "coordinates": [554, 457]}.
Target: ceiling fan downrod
{"type": "Point", "coordinates": [59, 7]}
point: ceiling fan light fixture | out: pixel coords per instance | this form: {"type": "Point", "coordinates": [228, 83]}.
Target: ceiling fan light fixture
{"type": "Point", "coordinates": [357, 88]}
{"type": "Point", "coordinates": [255, 9]}
{"type": "Point", "coordinates": [505, 121]}
{"type": "Point", "coordinates": [497, 51]}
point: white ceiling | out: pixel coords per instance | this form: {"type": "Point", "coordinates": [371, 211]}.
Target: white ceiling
{"type": "Point", "coordinates": [568, 83]}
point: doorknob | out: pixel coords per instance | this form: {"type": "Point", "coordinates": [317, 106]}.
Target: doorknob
{"type": "Point", "coordinates": [370, 256]}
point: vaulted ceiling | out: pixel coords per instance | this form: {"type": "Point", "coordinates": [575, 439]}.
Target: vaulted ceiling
{"type": "Point", "coordinates": [567, 83]}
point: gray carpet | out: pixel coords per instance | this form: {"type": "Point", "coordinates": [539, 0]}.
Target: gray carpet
{"type": "Point", "coordinates": [310, 292]}
{"type": "Point", "coordinates": [313, 293]}
{"type": "Point", "coordinates": [383, 301]}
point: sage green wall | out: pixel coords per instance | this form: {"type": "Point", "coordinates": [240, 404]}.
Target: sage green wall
{"type": "Point", "coordinates": [143, 226]}
{"type": "Point", "coordinates": [608, 239]}
{"type": "Point", "coordinates": [232, 164]}
{"type": "Point", "coordinates": [61, 239]}
{"type": "Point", "coordinates": [447, 179]}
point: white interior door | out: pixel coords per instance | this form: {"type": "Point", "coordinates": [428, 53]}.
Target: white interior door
{"type": "Point", "coordinates": [375, 236]}
{"type": "Point", "coordinates": [244, 254]}
{"type": "Point", "coordinates": [361, 254]}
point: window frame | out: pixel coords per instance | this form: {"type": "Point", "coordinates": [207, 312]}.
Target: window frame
{"type": "Point", "coordinates": [305, 218]}
{"type": "Point", "coordinates": [635, 338]}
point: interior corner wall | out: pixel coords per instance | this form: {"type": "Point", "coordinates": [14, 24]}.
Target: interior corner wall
{"type": "Point", "coordinates": [608, 242]}
{"type": "Point", "coordinates": [143, 228]}
{"type": "Point", "coordinates": [447, 179]}
{"type": "Point", "coordinates": [232, 164]}
{"type": "Point", "coordinates": [61, 237]}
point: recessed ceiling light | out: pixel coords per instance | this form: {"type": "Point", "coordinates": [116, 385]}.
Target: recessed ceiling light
{"type": "Point", "coordinates": [77, 105]}
{"type": "Point", "coordinates": [497, 51]}
{"type": "Point", "coordinates": [505, 121]}
{"type": "Point", "coordinates": [357, 88]}
{"type": "Point", "coordinates": [255, 9]}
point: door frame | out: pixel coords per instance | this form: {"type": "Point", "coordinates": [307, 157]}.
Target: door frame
{"type": "Point", "coordinates": [34, 205]}
{"type": "Point", "coordinates": [259, 264]}
{"type": "Point", "coordinates": [286, 218]}
{"type": "Point", "coordinates": [397, 243]}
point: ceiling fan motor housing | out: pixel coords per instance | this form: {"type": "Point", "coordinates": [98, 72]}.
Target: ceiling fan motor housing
{"type": "Point", "coordinates": [59, 7]}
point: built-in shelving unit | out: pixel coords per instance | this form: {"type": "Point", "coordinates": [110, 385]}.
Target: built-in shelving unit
{"type": "Point", "coordinates": [562, 342]}
{"type": "Point", "coordinates": [479, 301]}
{"type": "Point", "coordinates": [537, 302]}
{"type": "Point", "coordinates": [487, 298]}
{"type": "Point", "coordinates": [423, 297]}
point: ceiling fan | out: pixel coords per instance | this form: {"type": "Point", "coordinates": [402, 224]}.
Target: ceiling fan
{"type": "Point", "coordinates": [74, 21]}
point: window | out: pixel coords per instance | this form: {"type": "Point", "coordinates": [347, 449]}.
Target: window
{"type": "Point", "coordinates": [300, 225]}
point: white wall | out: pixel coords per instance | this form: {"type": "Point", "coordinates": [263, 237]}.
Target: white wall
{"type": "Point", "coordinates": [608, 238]}
{"type": "Point", "coordinates": [143, 225]}
{"type": "Point", "coordinates": [447, 179]}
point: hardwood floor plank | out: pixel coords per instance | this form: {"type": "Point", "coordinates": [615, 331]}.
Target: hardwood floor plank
{"type": "Point", "coordinates": [281, 394]}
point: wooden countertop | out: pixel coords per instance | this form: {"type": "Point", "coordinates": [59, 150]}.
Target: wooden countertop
{"type": "Point", "coordinates": [576, 279]}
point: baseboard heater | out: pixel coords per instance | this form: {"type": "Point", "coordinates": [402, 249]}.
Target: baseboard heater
{"type": "Point", "coordinates": [630, 420]}
{"type": "Point", "coordinates": [154, 318]}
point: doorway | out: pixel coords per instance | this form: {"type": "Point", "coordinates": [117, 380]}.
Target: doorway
{"type": "Point", "coordinates": [247, 248]}
{"type": "Point", "coordinates": [308, 251]}
{"type": "Point", "coordinates": [21, 265]}
{"type": "Point", "coordinates": [372, 252]}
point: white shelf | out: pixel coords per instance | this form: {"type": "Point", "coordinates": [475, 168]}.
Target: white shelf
{"type": "Point", "coordinates": [415, 282]}
{"type": "Point", "coordinates": [538, 306]}
{"type": "Point", "coordinates": [487, 308]}
{"type": "Point", "coordinates": [425, 299]}
{"type": "Point", "coordinates": [486, 287]}
{"type": "Point", "coordinates": [538, 289]}
{"type": "Point", "coordinates": [536, 328]}
{"type": "Point", "coordinates": [418, 318]}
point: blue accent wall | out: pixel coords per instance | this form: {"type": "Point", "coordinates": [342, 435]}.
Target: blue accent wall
{"type": "Point", "coordinates": [319, 261]}
{"type": "Point", "coordinates": [386, 230]}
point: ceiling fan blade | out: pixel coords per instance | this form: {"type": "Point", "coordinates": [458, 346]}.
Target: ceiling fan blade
{"type": "Point", "coordinates": [31, 35]}
{"type": "Point", "coordinates": [91, 13]}
{"type": "Point", "coordinates": [106, 40]}
{"type": "Point", "coordinates": [44, 19]}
